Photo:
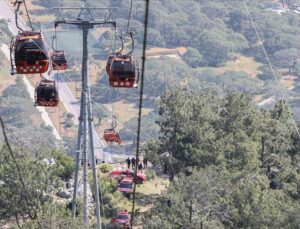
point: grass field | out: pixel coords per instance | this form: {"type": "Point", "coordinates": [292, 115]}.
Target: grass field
{"type": "Point", "coordinates": [241, 63]}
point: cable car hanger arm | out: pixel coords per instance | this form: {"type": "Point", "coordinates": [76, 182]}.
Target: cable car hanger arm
{"type": "Point", "coordinates": [132, 43]}
{"type": "Point", "coordinates": [18, 3]}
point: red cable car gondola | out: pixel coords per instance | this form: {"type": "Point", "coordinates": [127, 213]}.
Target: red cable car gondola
{"type": "Point", "coordinates": [46, 94]}
{"type": "Point", "coordinates": [111, 135]}
{"type": "Point", "coordinates": [29, 54]}
{"type": "Point", "coordinates": [123, 72]}
{"type": "Point", "coordinates": [59, 60]}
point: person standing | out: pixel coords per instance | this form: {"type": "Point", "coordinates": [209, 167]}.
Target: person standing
{"type": "Point", "coordinates": [145, 162]}
{"type": "Point", "coordinates": [128, 162]}
{"type": "Point", "coordinates": [133, 162]}
{"type": "Point", "coordinates": [140, 167]}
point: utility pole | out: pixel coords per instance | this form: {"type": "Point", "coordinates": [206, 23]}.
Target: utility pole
{"type": "Point", "coordinates": [85, 142]}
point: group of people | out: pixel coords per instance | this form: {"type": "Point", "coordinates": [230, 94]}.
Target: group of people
{"type": "Point", "coordinates": [133, 162]}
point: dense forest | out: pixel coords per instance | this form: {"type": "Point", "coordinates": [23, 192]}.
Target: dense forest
{"type": "Point", "coordinates": [231, 157]}
{"type": "Point", "coordinates": [234, 166]}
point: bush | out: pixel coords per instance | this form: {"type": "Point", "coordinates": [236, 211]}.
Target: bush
{"type": "Point", "coordinates": [150, 174]}
{"type": "Point", "coordinates": [79, 206]}
{"type": "Point", "coordinates": [105, 168]}
{"type": "Point", "coordinates": [193, 58]}
{"type": "Point", "coordinates": [64, 161]}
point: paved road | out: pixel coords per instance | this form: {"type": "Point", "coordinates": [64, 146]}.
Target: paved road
{"type": "Point", "coordinates": [64, 92]}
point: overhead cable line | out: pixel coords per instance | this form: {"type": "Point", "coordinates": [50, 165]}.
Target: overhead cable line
{"type": "Point", "coordinates": [66, 74]}
{"type": "Point", "coordinates": [95, 103]}
{"type": "Point", "coordinates": [58, 89]}
{"type": "Point", "coordinates": [68, 77]}
{"type": "Point", "coordinates": [272, 69]}
{"type": "Point", "coordinates": [129, 18]}
{"type": "Point", "coordinates": [140, 109]}
{"type": "Point", "coordinates": [164, 44]}
{"type": "Point", "coordinates": [18, 3]}
{"type": "Point", "coordinates": [27, 13]}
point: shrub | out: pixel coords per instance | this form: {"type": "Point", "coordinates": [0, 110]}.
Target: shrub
{"type": "Point", "coordinates": [105, 168]}
{"type": "Point", "coordinates": [65, 162]}
{"type": "Point", "coordinates": [150, 174]}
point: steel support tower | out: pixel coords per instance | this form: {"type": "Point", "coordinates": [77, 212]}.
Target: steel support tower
{"type": "Point", "coordinates": [85, 143]}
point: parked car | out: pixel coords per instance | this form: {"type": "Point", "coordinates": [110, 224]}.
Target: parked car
{"type": "Point", "coordinates": [120, 174]}
{"type": "Point", "coordinates": [126, 187]}
{"type": "Point", "coordinates": [123, 218]}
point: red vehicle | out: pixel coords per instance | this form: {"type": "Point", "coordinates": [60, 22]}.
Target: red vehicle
{"type": "Point", "coordinates": [120, 174]}
{"type": "Point", "coordinates": [122, 218]}
{"type": "Point", "coordinates": [126, 187]}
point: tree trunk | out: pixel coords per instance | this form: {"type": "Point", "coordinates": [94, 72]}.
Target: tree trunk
{"type": "Point", "coordinates": [262, 153]}
{"type": "Point", "coordinates": [17, 220]}
{"type": "Point", "coordinates": [171, 176]}
{"type": "Point", "coordinates": [191, 211]}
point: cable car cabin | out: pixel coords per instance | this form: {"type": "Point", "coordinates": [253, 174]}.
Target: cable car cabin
{"type": "Point", "coordinates": [123, 72]}
{"type": "Point", "coordinates": [29, 54]}
{"type": "Point", "coordinates": [109, 60]}
{"type": "Point", "coordinates": [46, 94]}
{"type": "Point", "coordinates": [59, 60]}
{"type": "Point", "coordinates": [110, 135]}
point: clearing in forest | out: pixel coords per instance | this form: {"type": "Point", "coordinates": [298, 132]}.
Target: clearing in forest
{"type": "Point", "coordinates": [240, 64]}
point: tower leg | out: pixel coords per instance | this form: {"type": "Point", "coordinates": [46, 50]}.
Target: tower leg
{"type": "Point", "coordinates": [85, 122]}
{"type": "Point", "coordinates": [93, 159]}
{"type": "Point", "coordinates": [77, 163]}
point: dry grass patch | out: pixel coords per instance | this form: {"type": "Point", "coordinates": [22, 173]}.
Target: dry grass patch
{"type": "Point", "coordinates": [287, 82]}
{"type": "Point", "coordinates": [5, 78]}
{"type": "Point", "coordinates": [258, 98]}
{"type": "Point", "coordinates": [241, 63]}
{"type": "Point", "coordinates": [125, 111]}
{"type": "Point", "coordinates": [155, 186]}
